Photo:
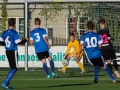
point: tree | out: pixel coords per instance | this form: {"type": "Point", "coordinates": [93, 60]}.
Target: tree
{"type": "Point", "coordinates": [52, 10]}
{"type": "Point", "coordinates": [4, 14]}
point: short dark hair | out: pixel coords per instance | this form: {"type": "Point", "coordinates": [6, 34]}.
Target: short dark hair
{"type": "Point", "coordinates": [72, 35]}
{"type": "Point", "coordinates": [102, 21]}
{"type": "Point", "coordinates": [90, 25]}
{"type": "Point", "coordinates": [37, 21]}
{"type": "Point", "coordinates": [11, 22]}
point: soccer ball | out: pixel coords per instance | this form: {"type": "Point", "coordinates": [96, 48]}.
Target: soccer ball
{"type": "Point", "coordinates": [65, 62]}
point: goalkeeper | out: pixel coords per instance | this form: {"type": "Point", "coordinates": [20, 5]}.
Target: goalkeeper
{"type": "Point", "coordinates": [75, 45]}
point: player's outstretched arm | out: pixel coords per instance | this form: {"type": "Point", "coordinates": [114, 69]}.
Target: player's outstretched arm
{"type": "Point", "coordinates": [23, 41]}
{"type": "Point", "coordinates": [111, 38]}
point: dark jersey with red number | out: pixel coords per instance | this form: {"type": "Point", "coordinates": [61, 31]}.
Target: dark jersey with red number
{"type": "Point", "coordinates": [104, 34]}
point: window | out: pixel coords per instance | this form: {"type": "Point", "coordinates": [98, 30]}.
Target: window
{"type": "Point", "coordinates": [73, 22]}
{"type": "Point", "coordinates": [50, 33]}
{"type": "Point", "coordinates": [73, 25]}
{"type": "Point", "coordinates": [82, 26]}
{"type": "Point", "coordinates": [83, 19]}
{"type": "Point", "coordinates": [21, 27]}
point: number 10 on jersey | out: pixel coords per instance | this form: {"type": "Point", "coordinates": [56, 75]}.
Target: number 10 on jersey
{"type": "Point", "coordinates": [91, 42]}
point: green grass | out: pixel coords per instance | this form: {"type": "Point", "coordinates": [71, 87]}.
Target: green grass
{"type": "Point", "coordinates": [71, 80]}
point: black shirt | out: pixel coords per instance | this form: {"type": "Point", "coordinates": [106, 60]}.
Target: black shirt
{"type": "Point", "coordinates": [104, 34]}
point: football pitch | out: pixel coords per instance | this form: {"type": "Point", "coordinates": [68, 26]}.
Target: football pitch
{"type": "Point", "coordinates": [71, 80]}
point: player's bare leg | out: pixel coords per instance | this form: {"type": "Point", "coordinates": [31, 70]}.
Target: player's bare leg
{"type": "Point", "coordinates": [52, 67]}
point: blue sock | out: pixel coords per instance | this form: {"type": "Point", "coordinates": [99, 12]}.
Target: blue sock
{"type": "Point", "coordinates": [46, 68]}
{"type": "Point", "coordinates": [10, 76]}
{"type": "Point", "coordinates": [109, 73]}
{"type": "Point", "coordinates": [96, 71]}
{"type": "Point", "coordinates": [52, 66]}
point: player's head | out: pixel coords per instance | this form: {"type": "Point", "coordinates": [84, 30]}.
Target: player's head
{"type": "Point", "coordinates": [37, 21]}
{"type": "Point", "coordinates": [11, 22]}
{"type": "Point", "coordinates": [102, 22]}
{"type": "Point", "coordinates": [72, 37]}
{"type": "Point", "coordinates": [90, 25]}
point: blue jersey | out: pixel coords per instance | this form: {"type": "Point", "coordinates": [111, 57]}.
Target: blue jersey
{"type": "Point", "coordinates": [11, 39]}
{"type": "Point", "coordinates": [91, 43]}
{"type": "Point", "coordinates": [37, 35]}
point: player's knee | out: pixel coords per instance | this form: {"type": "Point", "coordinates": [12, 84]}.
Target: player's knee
{"type": "Point", "coordinates": [50, 58]}
{"type": "Point", "coordinates": [44, 61]}
{"type": "Point", "coordinates": [69, 56]}
{"type": "Point", "coordinates": [108, 62]}
{"type": "Point", "coordinates": [104, 67]}
{"type": "Point", "coordinates": [77, 60]}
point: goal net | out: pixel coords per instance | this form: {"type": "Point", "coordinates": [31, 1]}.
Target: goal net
{"type": "Point", "coordinates": [60, 19]}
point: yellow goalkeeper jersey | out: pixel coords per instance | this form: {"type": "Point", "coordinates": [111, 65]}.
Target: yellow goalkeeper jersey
{"type": "Point", "coordinates": [75, 45]}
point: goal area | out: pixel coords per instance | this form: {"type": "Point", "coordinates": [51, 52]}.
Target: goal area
{"type": "Point", "coordinates": [61, 18]}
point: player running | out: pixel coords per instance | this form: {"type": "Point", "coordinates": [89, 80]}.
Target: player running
{"type": "Point", "coordinates": [107, 49]}
{"type": "Point", "coordinates": [92, 43]}
{"type": "Point", "coordinates": [39, 38]}
{"type": "Point", "coordinates": [11, 39]}
{"type": "Point", "coordinates": [75, 45]}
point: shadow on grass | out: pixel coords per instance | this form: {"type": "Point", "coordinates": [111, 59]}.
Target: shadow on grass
{"type": "Point", "coordinates": [72, 74]}
{"type": "Point", "coordinates": [64, 85]}
{"type": "Point", "coordinates": [81, 76]}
